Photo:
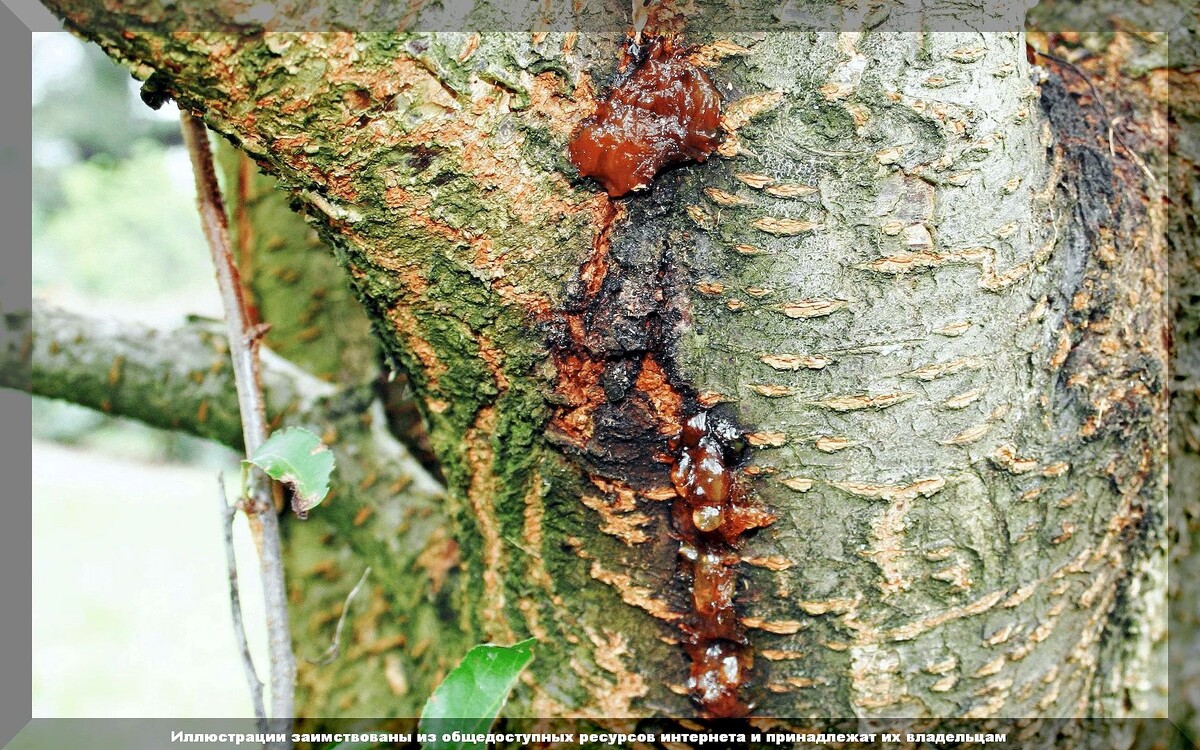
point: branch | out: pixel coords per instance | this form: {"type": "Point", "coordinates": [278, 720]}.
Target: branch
{"type": "Point", "coordinates": [335, 648]}
{"type": "Point", "coordinates": [16, 343]}
{"type": "Point", "coordinates": [243, 337]}
{"type": "Point", "coordinates": [375, 470]}
{"type": "Point", "coordinates": [180, 379]}
{"type": "Point", "coordinates": [177, 379]}
{"type": "Point", "coordinates": [243, 344]}
{"type": "Point", "coordinates": [235, 604]}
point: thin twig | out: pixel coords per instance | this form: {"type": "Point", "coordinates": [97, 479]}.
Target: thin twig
{"type": "Point", "coordinates": [235, 603]}
{"type": "Point", "coordinates": [243, 349]}
{"type": "Point", "coordinates": [334, 649]}
{"type": "Point", "coordinates": [242, 345]}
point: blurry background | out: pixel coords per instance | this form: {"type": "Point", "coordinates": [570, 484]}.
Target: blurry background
{"type": "Point", "coordinates": [130, 611]}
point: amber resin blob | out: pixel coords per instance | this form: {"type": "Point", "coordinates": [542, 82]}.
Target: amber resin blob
{"type": "Point", "coordinates": [713, 510]}
{"type": "Point", "coordinates": [664, 111]}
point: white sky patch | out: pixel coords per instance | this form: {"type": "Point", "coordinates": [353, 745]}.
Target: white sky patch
{"type": "Point", "coordinates": [56, 56]}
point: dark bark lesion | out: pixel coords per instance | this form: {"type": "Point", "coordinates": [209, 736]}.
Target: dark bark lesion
{"type": "Point", "coordinates": [1111, 386]}
{"type": "Point", "coordinates": [1183, 240]}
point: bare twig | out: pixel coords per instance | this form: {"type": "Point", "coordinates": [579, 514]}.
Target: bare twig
{"type": "Point", "coordinates": [235, 603]}
{"type": "Point", "coordinates": [334, 649]}
{"type": "Point", "coordinates": [243, 348]}
{"type": "Point", "coordinates": [242, 344]}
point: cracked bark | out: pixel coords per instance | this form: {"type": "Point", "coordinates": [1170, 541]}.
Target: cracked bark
{"type": "Point", "coordinates": [930, 292]}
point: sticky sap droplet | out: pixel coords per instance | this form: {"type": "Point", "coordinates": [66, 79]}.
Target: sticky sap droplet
{"type": "Point", "coordinates": [714, 585]}
{"type": "Point", "coordinates": [708, 517]}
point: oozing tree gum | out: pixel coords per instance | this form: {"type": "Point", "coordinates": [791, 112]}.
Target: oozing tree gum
{"type": "Point", "coordinates": [665, 111]}
{"type": "Point", "coordinates": [711, 513]}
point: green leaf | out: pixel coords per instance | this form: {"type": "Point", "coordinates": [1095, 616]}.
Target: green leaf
{"type": "Point", "coordinates": [470, 697]}
{"type": "Point", "coordinates": [297, 458]}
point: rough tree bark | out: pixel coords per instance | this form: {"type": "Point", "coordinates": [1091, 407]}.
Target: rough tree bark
{"type": "Point", "coordinates": [929, 290]}
{"type": "Point", "coordinates": [1184, 476]}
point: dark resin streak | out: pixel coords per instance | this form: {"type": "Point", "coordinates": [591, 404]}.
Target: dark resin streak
{"type": "Point", "coordinates": [710, 515]}
{"type": "Point", "coordinates": [665, 111]}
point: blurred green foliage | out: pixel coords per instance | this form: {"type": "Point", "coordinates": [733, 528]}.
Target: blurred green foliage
{"type": "Point", "coordinates": [89, 101]}
{"type": "Point", "coordinates": [84, 107]}
{"type": "Point", "coordinates": [115, 231]}
{"type": "Point", "coordinates": [124, 230]}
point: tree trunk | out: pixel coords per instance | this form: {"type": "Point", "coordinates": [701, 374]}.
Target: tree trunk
{"type": "Point", "coordinates": [929, 293]}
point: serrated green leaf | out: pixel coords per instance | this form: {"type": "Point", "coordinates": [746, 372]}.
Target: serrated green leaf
{"type": "Point", "coordinates": [471, 696]}
{"type": "Point", "coordinates": [297, 458]}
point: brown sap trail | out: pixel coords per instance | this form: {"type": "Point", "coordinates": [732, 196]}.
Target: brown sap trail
{"type": "Point", "coordinates": [665, 111]}
{"type": "Point", "coordinates": [710, 514]}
